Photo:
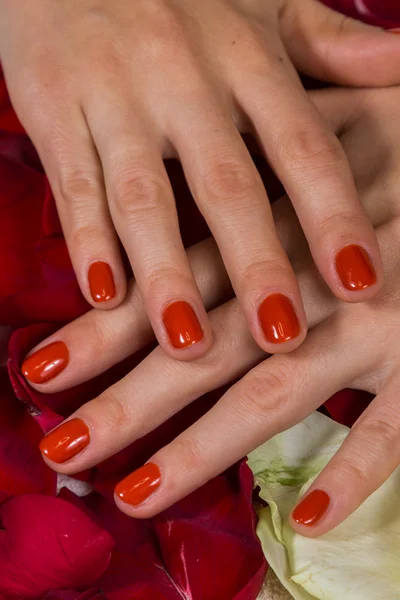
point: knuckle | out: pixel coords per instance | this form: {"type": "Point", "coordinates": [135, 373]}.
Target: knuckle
{"type": "Point", "coordinates": [168, 34]}
{"type": "Point", "coordinates": [266, 394]}
{"type": "Point", "coordinates": [138, 193]}
{"type": "Point", "coordinates": [92, 330]}
{"type": "Point", "coordinates": [87, 236]}
{"type": "Point", "coordinates": [164, 275]}
{"type": "Point", "coordinates": [229, 180]}
{"type": "Point", "coordinates": [40, 79]}
{"type": "Point", "coordinates": [113, 410]}
{"type": "Point", "coordinates": [74, 185]}
{"type": "Point", "coordinates": [380, 434]}
{"type": "Point", "coordinates": [217, 362]}
{"type": "Point", "coordinates": [310, 146]}
{"type": "Point", "coordinates": [340, 222]}
{"type": "Point", "coordinates": [267, 269]}
{"type": "Point", "coordinates": [193, 456]}
{"type": "Point", "coordinates": [356, 472]}
{"type": "Point", "coordinates": [255, 59]}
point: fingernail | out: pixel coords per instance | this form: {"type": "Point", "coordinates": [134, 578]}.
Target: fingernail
{"type": "Point", "coordinates": [278, 319]}
{"type": "Point", "coordinates": [182, 325]}
{"type": "Point", "coordinates": [46, 363]}
{"type": "Point", "coordinates": [396, 30]}
{"type": "Point", "coordinates": [139, 485]}
{"type": "Point", "coordinates": [66, 441]}
{"type": "Point", "coordinates": [311, 510]}
{"type": "Point", "coordinates": [355, 268]}
{"type": "Point", "coordinates": [101, 282]}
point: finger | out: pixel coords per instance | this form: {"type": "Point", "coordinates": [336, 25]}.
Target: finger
{"type": "Point", "coordinates": [75, 175]}
{"type": "Point", "coordinates": [140, 402]}
{"type": "Point", "coordinates": [329, 46]}
{"type": "Point", "coordinates": [143, 208]}
{"type": "Point", "coordinates": [96, 341]}
{"type": "Point", "coordinates": [272, 397]}
{"type": "Point", "coordinates": [233, 200]}
{"type": "Point", "coordinates": [313, 168]}
{"type": "Point", "coordinates": [365, 460]}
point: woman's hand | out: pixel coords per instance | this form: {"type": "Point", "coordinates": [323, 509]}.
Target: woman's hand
{"type": "Point", "coordinates": [349, 345]}
{"type": "Point", "coordinates": [106, 91]}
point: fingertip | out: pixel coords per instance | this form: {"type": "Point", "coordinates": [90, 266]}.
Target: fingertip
{"type": "Point", "coordinates": [309, 515]}
{"type": "Point", "coordinates": [105, 286]}
{"type": "Point", "coordinates": [186, 332]}
{"type": "Point", "coordinates": [136, 490]}
{"type": "Point", "coordinates": [359, 273]}
{"type": "Point", "coordinates": [281, 326]}
{"type": "Point", "coordinates": [44, 364]}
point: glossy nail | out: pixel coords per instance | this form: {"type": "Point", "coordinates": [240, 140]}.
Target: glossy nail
{"type": "Point", "coordinates": [66, 441]}
{"type": "Point", "coordinates": [182, 325]}
{"type": "Point", "coordinates": [355, 268]}
{"type": "Point", "coordinates": [139, 485]}
{"type": "Point", "coordinates": [101, 282]}
{"type": "Point", "coordinates": [46, 363]}
{"type": "Point", "coordinates": [311, 510]}
{"type": "Point", "coordinates": [278, 319]}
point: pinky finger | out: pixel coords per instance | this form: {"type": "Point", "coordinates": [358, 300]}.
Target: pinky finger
{"type": "Point", "coordinates": [367, 457]}
{"type": "Point", "coordinates": [75, 174]}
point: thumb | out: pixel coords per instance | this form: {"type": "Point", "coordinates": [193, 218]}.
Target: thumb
{"type": "Point", "coordinates": [329, 46]}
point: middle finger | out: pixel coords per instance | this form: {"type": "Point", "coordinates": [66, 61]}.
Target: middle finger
{"type": "Point", "coordinates": [231, 195]}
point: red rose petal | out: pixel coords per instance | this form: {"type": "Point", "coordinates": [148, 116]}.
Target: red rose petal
{"type": "Point", "coordinates": [48, 543]}
{"type": "Point", "coordinates": [92, 594]}
{"type": "Point", "coordinates": [382, 13]}
{"type": "Point", "coordinates": [22, 469]}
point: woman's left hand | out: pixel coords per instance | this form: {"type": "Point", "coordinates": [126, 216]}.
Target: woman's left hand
{"type": "Point", "coordinates": [350, 345]}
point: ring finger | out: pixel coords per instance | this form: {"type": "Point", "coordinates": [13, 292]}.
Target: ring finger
{"type": "Point", "coordinates": [312, 165]}
{"type": "Point", "coordinates": [143, 210]}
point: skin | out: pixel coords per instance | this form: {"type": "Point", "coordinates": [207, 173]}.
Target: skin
{"type": "Point", "coordinates": [106, 94]}
{"type": "Point", "coordinates": [349, 345]}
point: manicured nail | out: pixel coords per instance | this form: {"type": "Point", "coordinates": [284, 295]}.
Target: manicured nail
{"type": "Point", "coordinates": [66, 441]}
{"type": "Point", "coordinates": [46, 363]}
{"type": "Point", "coordinates": [311, 510]}
{"type": "Point", "coordinates": [396, 30]}
{"type": "Point", "coordinates": [139, 485]}
{"type": "Point", "coordinates": [182, 325]}
{"type": "Point", "coordinates": [278, 319]}
{"type": "Point", "coordinates": [355, 268]}
{"type": "Point", "coordinates": [101, 282]}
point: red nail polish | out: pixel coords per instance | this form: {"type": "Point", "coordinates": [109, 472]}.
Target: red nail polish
{"type": "Point", "coordinates": [312, 508]}
{"type": "Point", "coordinates": [182, 325]}
{"type": "Point", "coordinates": [101, 282]}
{"type": "Point", "coordinates": [355, 268]}
{"type": "Point", "coordinates": [66, 441]}
{"type": "Point", "coordinates": [46, 363]}
{"type": "Point", "coordinates": [396, 30]}
{"type": "Point", "coordinates": [278, 319]}
{"type": "Point", "coordinates": [139, 485]}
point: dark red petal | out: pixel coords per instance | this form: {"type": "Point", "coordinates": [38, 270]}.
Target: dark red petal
{"type": "Point", "coordinates": [48, 543]}
{"type": "Point", "coordinates": [22, 469]}
{"type": "Point", "coordinates": [382, 13]}
{"type": "Point", "coordinates": [92, 594]}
